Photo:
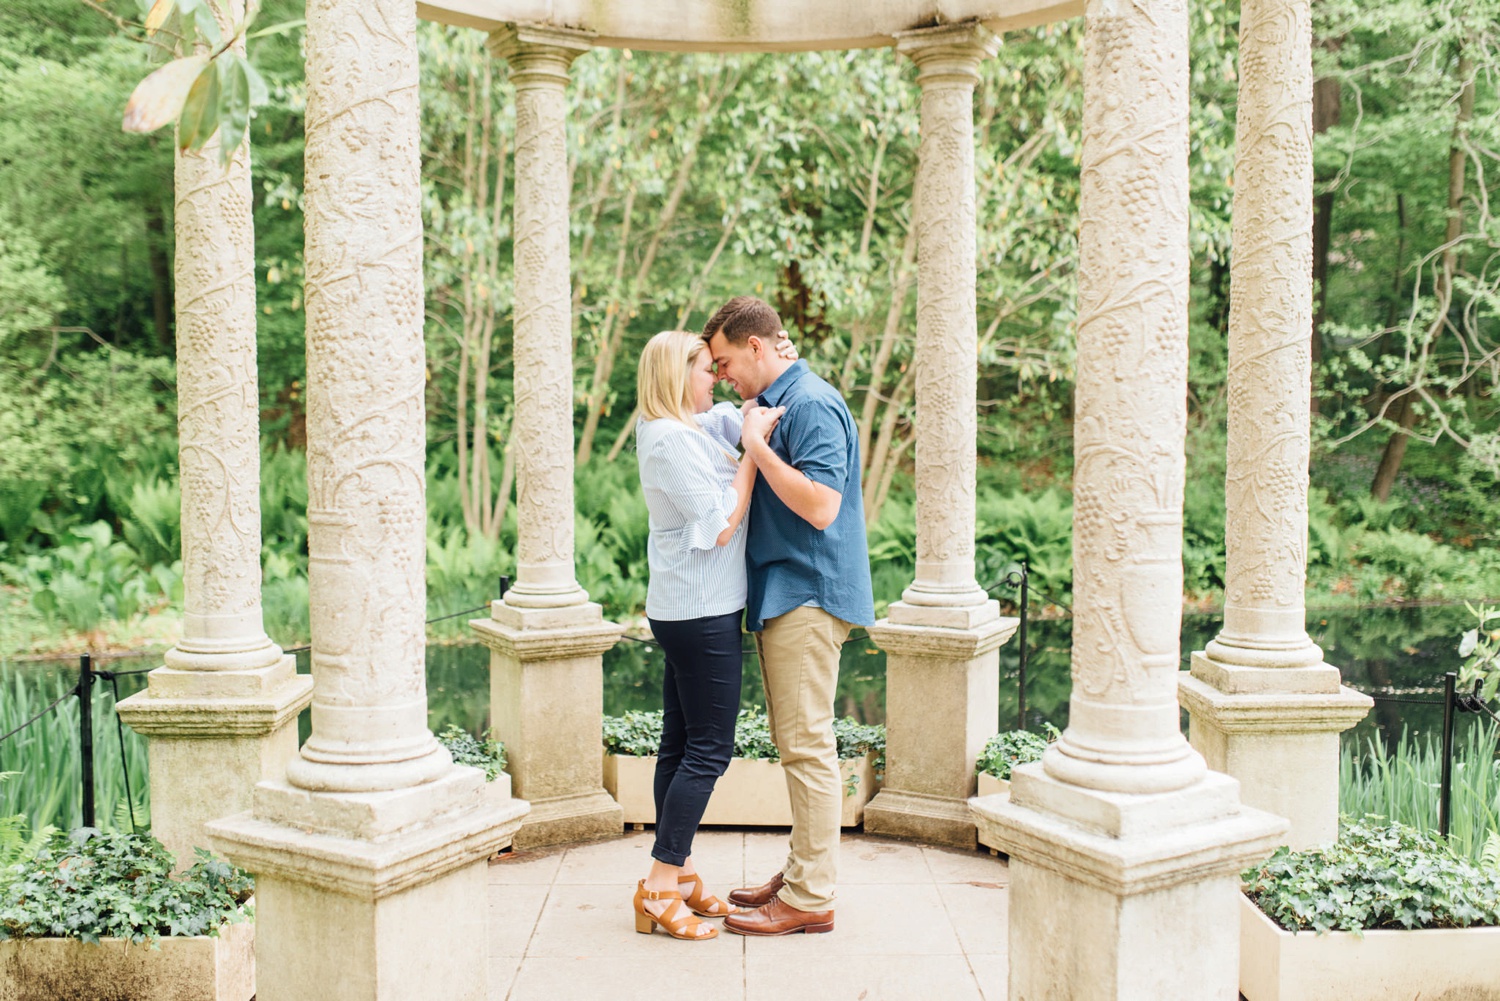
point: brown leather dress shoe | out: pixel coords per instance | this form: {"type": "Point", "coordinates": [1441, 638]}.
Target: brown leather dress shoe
{"type": "Point", "coordinates": [756, 896]}
{"type": "Point", "coordinates": [777, 918]}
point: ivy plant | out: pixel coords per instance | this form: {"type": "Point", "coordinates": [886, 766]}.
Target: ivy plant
{"type": "Point", "coordinates": [1004, 751]}
{"type": "Point", "coordinates": [484, 752]}
{"type": "Point", "coordinates": [1377, 875]}
{"type": "Point", "coordinates": [639, 734]}
{"type": "Point", "coordinates": [91, 885]}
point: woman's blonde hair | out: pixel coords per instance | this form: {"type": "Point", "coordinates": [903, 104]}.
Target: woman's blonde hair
{"type": "Point", "coordinates": [662, 386]}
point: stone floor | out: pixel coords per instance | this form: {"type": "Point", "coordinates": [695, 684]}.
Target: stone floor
{"type": "Point", "coordinates": [912, 924]}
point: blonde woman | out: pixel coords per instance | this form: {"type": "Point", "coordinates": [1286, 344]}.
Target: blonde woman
{"type": "Point", "coordinates": [697, 490]}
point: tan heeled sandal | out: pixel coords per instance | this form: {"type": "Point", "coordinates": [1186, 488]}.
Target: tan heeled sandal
{"type": "Point", "coordinates": [701, 903]}
{"type": "Point", "coordinates": [676, 920]}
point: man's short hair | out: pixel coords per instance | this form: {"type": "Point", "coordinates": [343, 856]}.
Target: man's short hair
{"type": "Point", "coordinates": [742, 317]}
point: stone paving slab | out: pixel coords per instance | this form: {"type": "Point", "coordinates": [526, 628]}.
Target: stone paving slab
{"type": "Point", "coordinates": [913, 923]}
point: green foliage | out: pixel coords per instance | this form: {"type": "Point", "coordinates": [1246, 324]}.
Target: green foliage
{"type": "Point", "coordinates": [94, 577]}
{"type": "Point", "coordinates": [1480, 648]}
{"type": "Point", "coordinates": [43, 759]}
{"type": "Point", "coordinates": [483, 752]}
{"type": "Point", "coordinates": [91, 885]}
{"type": "Point", "coordinates": [1403, 785]}
{"type": "Point", "coordinates": [17, 841]}
{"type": "Point", "coordinates": [1375, 876]}
{"type": "Point", "coordinates": [639, 734]}
{"type": "Point", "coordinates": [1004, 751]}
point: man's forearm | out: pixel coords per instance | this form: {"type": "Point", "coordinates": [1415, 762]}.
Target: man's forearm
{"type": "Point", "coordinates": [814, 503]}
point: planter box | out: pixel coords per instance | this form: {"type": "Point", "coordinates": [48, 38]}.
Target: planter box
{"type": "Point", "coordinates": [752, 793]}
{"type": "Point", "coordinates": [1447, 964]}
{"type": "Point", "coordinates": [991, 786]}
{"type": "Point", "coordinates": [196, 968]}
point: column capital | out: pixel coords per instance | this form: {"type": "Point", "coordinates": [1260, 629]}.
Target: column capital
{"type": "Point", "coordinates": [950, 53]}
{"type": "Point", "coordinates": [525, 46]}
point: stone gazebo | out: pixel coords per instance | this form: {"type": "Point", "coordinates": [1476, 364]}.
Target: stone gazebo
{"type": "Point", "coordinates": [369, 844]}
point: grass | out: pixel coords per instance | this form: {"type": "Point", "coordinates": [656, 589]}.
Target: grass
{"type": "Point", "coordinates": [1403, 786]}
{"type": "Point", "coordinates": [47, 786]}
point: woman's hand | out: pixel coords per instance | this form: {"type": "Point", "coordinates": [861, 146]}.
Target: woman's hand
{"type": "Point", "coordinates": [760, 422]}
{"type": "Point", "coordinates": [784, 346]}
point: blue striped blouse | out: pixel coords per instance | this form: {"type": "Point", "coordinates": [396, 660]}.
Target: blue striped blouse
{"type": "Point", "coordinates": [687, 479]}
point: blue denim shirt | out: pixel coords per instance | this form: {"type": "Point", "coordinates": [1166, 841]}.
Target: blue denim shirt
{"type": "Point", "coordinates": [789, 562]}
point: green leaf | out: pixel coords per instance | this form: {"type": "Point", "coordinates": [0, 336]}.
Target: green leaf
{"type": "Point", "coordinates": [200, 112]}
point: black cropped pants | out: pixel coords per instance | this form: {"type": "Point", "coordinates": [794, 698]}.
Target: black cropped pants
{"type": "Point", "coordinates": [701, 698]}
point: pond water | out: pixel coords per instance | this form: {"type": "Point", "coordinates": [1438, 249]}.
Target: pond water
{"type": "Point", "coordinates": [1390, 653]}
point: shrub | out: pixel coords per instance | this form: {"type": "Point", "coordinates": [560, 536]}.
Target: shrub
{"type": "Point", "coordinates": [1374, 876]}
{"type": "Point", "coordinates": [91, 885]}
{"type": "Point", "coordinates": [639, 734]}
{"type": "Point", "coordinates": [1004, 751]}
{"type": "Point", "coordinates": [483, 753]}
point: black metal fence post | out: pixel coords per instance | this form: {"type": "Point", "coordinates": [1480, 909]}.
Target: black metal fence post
{"type": "Point", "coordinates": [86, 734]}
{"type": "Point", "coordinates": [1445, 785]}
{"type": "Point", "coordinates": [1021, 675]}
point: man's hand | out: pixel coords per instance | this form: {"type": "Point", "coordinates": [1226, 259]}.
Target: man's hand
{"type": "Point", "coordinates": [760, 422]}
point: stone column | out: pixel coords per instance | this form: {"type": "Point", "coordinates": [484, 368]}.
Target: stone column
{"type": "Point", "coordinates": [1125, 850]}
{"type": "Point", "coordinates": [1265, 707]}
{"type": "Point", "coordinates": [547, 640]}
{"type": "Point", "coordinates": [369, 855]}
{"type": "Point", "coordinates": [221, 714]}
{"type": "Point", "coordinates": [942, 638]}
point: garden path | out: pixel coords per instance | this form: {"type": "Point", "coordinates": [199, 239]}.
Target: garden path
{"type": "Point", "coordinates": [913, 924]}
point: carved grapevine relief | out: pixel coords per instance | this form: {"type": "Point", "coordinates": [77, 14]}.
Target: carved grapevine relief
{"type": "Point", "coordinates": [1132, 352]}
{"type": "Point", "coordinates": [365, 358]}
{"type": "Point", "coordinates": [218, 401]}
{"type": "Point", "coordinates": [1270, 313]}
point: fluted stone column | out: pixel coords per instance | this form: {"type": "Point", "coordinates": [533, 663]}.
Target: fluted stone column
{"type": "Point", "coordinates": [1265, 707]}
{"type": "Point", "coordinates": [942, 638]}
{"type": "Point", "coordinates": [221, 714]}
{"type": "Point", "coordinates": [369, 854]}
{"type": "Point", "coordinates": [1125, 850]}
{"type": "Point", "coordinates": [547, 640]}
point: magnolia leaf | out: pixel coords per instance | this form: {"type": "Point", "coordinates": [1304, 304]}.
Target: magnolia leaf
{"type": "Point", "coordinates": [1469, 643]}
{"type": "Point", "coordinates": [200, 112]}
{"type": "Point", "coordinates": [160, 11]}
{"type": "Point", "coordinates": [234, 105]}
{"type": "Point", "coordinates": [159, 98]}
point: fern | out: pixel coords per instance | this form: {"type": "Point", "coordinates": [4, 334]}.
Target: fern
{"type": "Point", "coordinates": [1489, 855]}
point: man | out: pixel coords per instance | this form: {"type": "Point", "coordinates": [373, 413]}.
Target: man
{"type": "Point", "coordinates": [809, 584]}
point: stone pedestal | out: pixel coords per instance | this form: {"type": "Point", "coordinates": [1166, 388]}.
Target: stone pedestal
{"type": "Point", "coordinates": [1265, 707]}
{"type": "Point", "coordinates": [1283, 746]}
{"type": "Point", "coordinates": [1118, 895]}
{"type": "Point", "coordinates": [942, 703]}
{"type": "Point", "coordinates": [372, 896]}
{"type": "Point", "coordinates": [211, 737]}
{"type": "Point", "coordinates": [547, 706]}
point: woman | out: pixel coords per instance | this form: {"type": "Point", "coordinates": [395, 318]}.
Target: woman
{"type": "Point", "coordinates": [697, 491]}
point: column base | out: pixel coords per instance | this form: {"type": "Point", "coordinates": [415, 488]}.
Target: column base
{"type": "Point", "coordinates": [401, 915]}
{"type": "Point", "coordinates": [1122, 896]}
{"type": "Point", "coordinates": [942, 703]}
{"type": "Point", "coordinates": [211, 736]}
{"type": "Point", "coordinates": [592, 816]}
{"type": "Point", "coordinates": [1283, 747]}
{"type": "Point", "coordinates": [547, 704]}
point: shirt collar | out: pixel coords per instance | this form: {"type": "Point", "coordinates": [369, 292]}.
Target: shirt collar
{"type": "Point", "coordinates": [776, 391]}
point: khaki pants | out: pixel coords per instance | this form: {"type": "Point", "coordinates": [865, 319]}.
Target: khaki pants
{"type": "Point", "coordinates": [799, 660]}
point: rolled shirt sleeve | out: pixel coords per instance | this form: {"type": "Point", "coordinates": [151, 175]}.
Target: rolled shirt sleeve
{"type": "Point", "coordinates": [724, 421]}
{"type": "Point", "coordinates": [683, 467]}
{"type": "Point", "coordinates": [817, 444]}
